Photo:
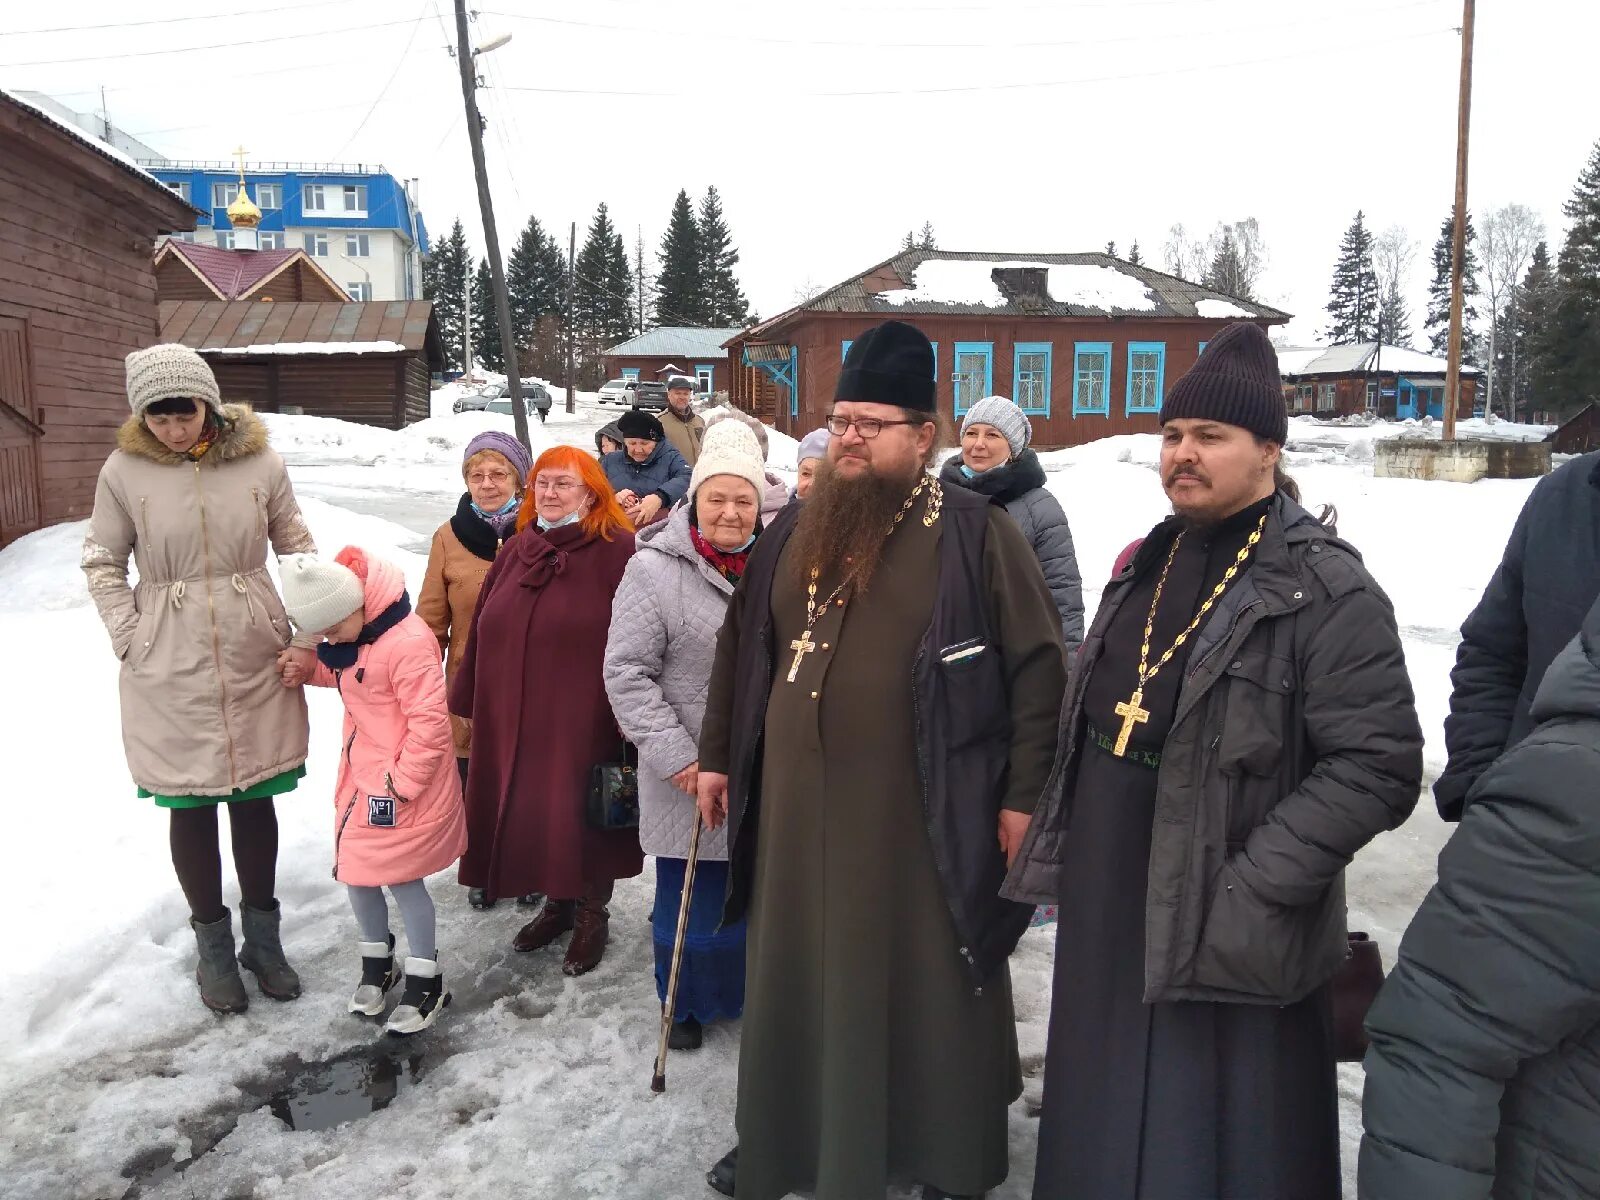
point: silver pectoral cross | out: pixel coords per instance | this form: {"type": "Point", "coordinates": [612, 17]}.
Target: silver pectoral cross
{"type": "Point", "coordinates": [802, 646]}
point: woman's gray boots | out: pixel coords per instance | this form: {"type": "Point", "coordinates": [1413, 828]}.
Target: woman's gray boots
{"type": "Point", "coordinates": [262, 953]}
{"type": "Point", "coordinates": [221, 989]}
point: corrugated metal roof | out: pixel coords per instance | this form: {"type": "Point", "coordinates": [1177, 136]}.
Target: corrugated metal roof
{"type": "Point", "coordinates": [1022, 285]}
{"type": "Point", "coordinates": [1357, 357]}
{"type": "Point", "coordinates": [671, 341]}
{"type": "Point", "coordinates": [220, 324]}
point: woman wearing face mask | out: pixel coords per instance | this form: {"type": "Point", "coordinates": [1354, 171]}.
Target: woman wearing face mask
{"type": "Point", "coordinates": [194, 494]}
{"type": "Point", "coordinates": [995, 461]}
{"type": "Point", "coordinates": [495, 468]}
{"type": "Point", "coordinates": [530, 682]}
{"type": "Point", "coordinates": [813, 453]}
{"type": "Point", "coordinates": [664, 625]}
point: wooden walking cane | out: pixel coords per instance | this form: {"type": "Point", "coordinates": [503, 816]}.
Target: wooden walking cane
{"type": "Point", "coordinates": [658, 1081]}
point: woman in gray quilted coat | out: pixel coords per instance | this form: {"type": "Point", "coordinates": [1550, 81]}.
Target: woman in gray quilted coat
{"type": "Point", "coordinates": [995, 461]}
{"type": "Point", "coordinates": [663, 639]}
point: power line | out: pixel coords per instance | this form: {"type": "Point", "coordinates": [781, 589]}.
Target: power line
{"type": "Point", "coordinates": [388, 83]}
{"type": "Point", "coordinates": [1009, 87]}
{"type": "Point", "coordinates": [252, 14]}
{"type": "Point", "coordinates": [285, 37]}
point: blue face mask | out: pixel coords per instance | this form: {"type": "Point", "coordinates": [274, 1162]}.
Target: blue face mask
{"type": "Point", "coordinates": [505, 510]}
{"type": "Point", "coordinates": [750, 541]}
{"type": "Point", "coordinates": [572, 518]}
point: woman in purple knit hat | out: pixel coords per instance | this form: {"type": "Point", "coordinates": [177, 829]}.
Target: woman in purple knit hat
{"type": "Point", "coordinates": [495, 467]}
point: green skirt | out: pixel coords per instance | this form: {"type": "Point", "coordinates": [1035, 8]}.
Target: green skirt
{"type": "Point", "coordinates": [276, 786]}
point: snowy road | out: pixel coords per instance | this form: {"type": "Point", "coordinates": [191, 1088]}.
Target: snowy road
{"type": "Point", "coordinates": [535, 1086]}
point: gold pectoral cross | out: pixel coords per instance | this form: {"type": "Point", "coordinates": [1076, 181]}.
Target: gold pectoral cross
{"type": "Point", "coordinates": [802, 646]}
{"type": "Point", "coordinates": [1132, 714]}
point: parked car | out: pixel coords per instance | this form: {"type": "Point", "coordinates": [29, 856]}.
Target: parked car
{"type": "Point", "coordinates": [617, 393]}
{"type": "Point", "coordinates": [535, 398]}
{"type": "Point", "coordinates": [471, 401]}
{"type": "Point", "coordinates": [650, 395]}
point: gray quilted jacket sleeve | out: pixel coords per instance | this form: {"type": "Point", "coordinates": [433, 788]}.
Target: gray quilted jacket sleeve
{"type": "Point", "coordinates": [636, 649]}
{"type": "Point", "coordinates": [1051, 538]}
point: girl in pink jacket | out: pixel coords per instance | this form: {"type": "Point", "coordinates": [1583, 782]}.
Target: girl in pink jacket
{"type": "Point", "coordinates": [397, 814]}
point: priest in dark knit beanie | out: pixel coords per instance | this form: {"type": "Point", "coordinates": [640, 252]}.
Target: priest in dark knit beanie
{"type": "Point", "coordinates": [1242, 725]}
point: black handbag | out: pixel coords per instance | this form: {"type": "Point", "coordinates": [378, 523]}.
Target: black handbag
{"type": "Point", "coordinates": [1355, 986]}
{"type": "Point", "coordinates": [613, 801]}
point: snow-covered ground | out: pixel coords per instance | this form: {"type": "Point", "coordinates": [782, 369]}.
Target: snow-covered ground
{"type": "Point", "coordinates": [535, 1085]}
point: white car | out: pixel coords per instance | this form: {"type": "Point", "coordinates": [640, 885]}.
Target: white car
{"type": "Point", "coordinates": [618, 393]}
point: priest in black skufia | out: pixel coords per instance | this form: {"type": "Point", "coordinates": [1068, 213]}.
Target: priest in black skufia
{"type": "Point", "coordinates": [1240, 726]}
{"type": "Point", "coordinates": [881, 720]}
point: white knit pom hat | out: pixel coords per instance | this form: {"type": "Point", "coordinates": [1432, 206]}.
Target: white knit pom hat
{"type": "Point", "coordinates": [318, 594]}
{"type": "Point", "coordinates": [729, 449]}
{"type": "Point", "coordinates": [166, 372]}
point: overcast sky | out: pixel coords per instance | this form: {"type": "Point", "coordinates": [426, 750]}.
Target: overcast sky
{"type": "Point", "coordinates": [833, 126]}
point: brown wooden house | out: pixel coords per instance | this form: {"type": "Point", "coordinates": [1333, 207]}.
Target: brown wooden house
{"type": "Point", "coordinates": [369, 362]}
{"type": "Point", "coordinates": [1391, 382]}
{"type": "Point", "coordinates": [1086, 344]}
{"type": "Point", "coordinates": [699, 354]}
{"type": "Point", "coordinates": [1579, 433]}
{"type": "Point", "coordinates": [192, 271]}
{"type": "Point", "coordinates": [78, 221]}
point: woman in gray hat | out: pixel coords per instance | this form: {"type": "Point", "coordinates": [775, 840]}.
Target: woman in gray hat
{"type": "Point", "coordinates": [995, 461]}
{"type": "Point", "coordinates": [195, 496]}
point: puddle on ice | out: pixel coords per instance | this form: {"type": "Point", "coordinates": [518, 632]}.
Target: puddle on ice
{"type": "Point", "coordinates": [304, 1096]}
{"type": "Point", "coordinates": [346, 1088]}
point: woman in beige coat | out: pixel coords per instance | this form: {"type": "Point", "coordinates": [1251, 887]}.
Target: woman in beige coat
{"type": "Point", "coordinates": [495, 468]}
{"type": "Point", "coordinates": [195, 495]}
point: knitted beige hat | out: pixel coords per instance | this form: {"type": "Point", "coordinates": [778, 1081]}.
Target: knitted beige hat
{"type": "Point", "coordinates": [166, 372]}
{"type": "Point", "coordinates": [729, 449]}
{"type": "Point", "coordinates": [318, 595]}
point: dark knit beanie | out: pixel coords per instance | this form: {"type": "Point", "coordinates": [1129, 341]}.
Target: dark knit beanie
{"type": "Point", "coordinates": [1235, 381]}
{"type": "Point", "coordinates": [636, 423]}
{"type": "Point", "coordinates": [890, 363]}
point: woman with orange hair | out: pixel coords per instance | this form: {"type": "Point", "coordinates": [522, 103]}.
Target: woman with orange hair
{"type": "Point", "coordinates": [539, 713]}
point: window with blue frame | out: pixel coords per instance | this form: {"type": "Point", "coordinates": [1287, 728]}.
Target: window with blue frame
{"type": "Point", "coordinates": [973, 376]}
{"type": "Point", "coordinates": [935, 361]}
{"type": "Point", "coordinates": [630, 373]}
{"type": "Point", "coordinates": [704, 375]}
{"type": "Point", "coordinates": [1147, 368]}
{"type": "Point", "coordinates": [844, 350]}
{"type": "Point", "coordinates": [1091, 379]}
{"type": "Point", "coordinates": [1202, 348]}
{"type": "Point", "coordinates": [1030, 383]}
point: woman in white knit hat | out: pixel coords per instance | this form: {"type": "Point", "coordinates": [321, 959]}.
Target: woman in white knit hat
{"type": "Point", "coordinates": [664, 623]}
{"type": "Point", "coordinates": [195, 496]}
{"type": "Point", "coordinates": [996, 461]}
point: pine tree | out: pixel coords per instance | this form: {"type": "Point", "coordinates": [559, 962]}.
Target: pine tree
{"type": "Point", "coordinates": [1229, 273]}
{"type": "Point", "coordinates": [926, 240]}
{"type": "Point", "coordinates": [1532, 311]}
{"type": "Point", "coordinates": [1111, 249]}
{"type": "Point", "coordinates": [1437, 324]}
{"type": "Point", "coordinates": [1570, 362]}
{"type": "Point", "coordinates": [680, 286]}
{"type": "Point", "coordinates": [724, 301]}
{"type": "Point", "coordinates": [486, 344]}
{"type": "Point", "coordinates": [1353, 298]}
{"type": "Point", "coordinates": [1134, 256]}
{"type": "Point", "coordinates": [603, 307]}
{"type": "Point", "coordinates": [535, 282]}
{"type": "Point", "coordinates": [444, 281]}
{"type": "Point", "coordinates": [1394, 316]}
{"type": "Point", "coordinates": [909, 242]}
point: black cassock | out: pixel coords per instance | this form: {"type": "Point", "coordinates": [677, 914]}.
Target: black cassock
{"type": "Point", "coordinates": [1181, 1101]}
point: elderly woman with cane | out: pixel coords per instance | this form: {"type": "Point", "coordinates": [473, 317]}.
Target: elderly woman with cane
{"type": "Point", "coordinates": [659, 653]}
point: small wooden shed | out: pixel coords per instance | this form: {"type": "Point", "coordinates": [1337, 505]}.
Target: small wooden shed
{"type": "Point", "coordinates": [78, 221]}
{"type": "Point", "coordinates": [1579, 434]}
{"type": "Point", "coordinates": [370, 362]}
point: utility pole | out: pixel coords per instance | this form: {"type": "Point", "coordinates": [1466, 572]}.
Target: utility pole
{"type": "Point", "coordinates": [1458, 240]}
{"type": "Point", "coordinates": [467, 60]}
{"type": "Point", "coordinates": [639, 256]}
{"type": "Point", "coordinates": [466, 328]}
{"type": "Point", "coordinates": [572, 329]}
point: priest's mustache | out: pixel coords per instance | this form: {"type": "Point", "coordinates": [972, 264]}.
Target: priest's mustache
{"type": "Point", "coordinates": [1186, 473]}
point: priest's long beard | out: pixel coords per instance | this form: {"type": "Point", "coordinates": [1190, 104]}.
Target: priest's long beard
{"type": "Point", "coordinates": [844, 524]}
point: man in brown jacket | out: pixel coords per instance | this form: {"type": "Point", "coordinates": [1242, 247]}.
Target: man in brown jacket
{"type": "Point", "coordinates": [685, 428]}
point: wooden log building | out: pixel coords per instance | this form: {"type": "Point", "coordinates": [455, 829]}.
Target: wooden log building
{"type": "Point", "coordinates": [1086, 344]}
{"type": "Point", "coordinates": [1391, 382]}
{"type": "Point", "coordinates": [699, 354]}
{"type": "Point", "coordinates": [78, 222]}
{"type": "Point", "coordinates": [369, 362]}
{"type": "Point", "coordinates": [192, 271]}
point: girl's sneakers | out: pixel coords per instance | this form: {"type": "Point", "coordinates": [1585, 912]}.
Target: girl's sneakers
{"type": "Point", "coordinates": [379, 973]}
{"type": "Point", "coordinates": [424, 999]}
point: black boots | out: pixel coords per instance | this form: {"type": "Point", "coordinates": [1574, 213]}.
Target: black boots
{"type": "Point", "coordinates": [685, 1035]}
{"type": "Point", "coordinates": [262, 953]}
{"type": "Point", "coordinates": [721, 1177]}
{"type": "Point", "coordinates": [221, 989]}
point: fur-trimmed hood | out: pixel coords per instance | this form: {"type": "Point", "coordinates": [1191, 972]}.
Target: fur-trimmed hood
{"type": "Point", "coordinates": [244, 434]}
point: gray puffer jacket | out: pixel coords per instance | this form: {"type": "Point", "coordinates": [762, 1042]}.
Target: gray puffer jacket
{"type": "Point", "coordinates": [1483, 1079]}
{"type": "Point", "coordinates": [664, 623]}
{"type": "Point", "coordinates": [1019, 488]}
{"type": "Point", "coordinates": [1295, 743]}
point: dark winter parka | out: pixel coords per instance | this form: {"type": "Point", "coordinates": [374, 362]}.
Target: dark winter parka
{"type": "Point", "coordinates": [1018, 487]}
{"type": "Point", "coordinates": [1483, 1079]}
{"type": "Point", "coordinates": [963, 731]}
{"type": "Point", "coordinates": [665, 473]}
{"type": "Point", "coordinates": [1532, 608]}
{"type": "Point", "coordinates": [1295, 743]}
